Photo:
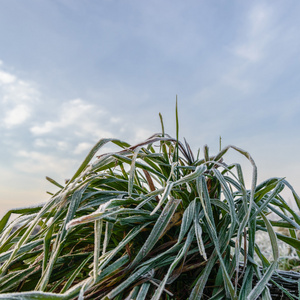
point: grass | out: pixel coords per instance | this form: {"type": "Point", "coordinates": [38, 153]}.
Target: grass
{"type": "Point", "coordinates": [150, 221]}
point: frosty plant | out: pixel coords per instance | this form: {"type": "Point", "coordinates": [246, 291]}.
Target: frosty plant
{"type": "Point", "coordinates": [150, 221]}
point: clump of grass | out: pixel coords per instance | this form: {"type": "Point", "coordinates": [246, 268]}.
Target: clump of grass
{"type": "Point", "coordinates": [150, 221]}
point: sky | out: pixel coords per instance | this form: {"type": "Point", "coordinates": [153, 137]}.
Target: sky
{"type": "Point", "coordinates": [75, 71]}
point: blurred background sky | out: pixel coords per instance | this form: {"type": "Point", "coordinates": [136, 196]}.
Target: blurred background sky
{"type": "Point", "coordinates": [75, 71]}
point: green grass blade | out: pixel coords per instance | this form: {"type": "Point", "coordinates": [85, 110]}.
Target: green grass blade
{"type": "Point", "coordinates": [141, 271]}
{"type": "Point", "coordinates": [132, 170]}
{"type": "Point", "coordinates": [97, 234]}
{"type": "Point", "coordinates": [262, 283]}
{"type": "Point", "coordinates": [91, 154]}
{"type": "Point", "coordinates": [197, 291]}
{"type": "Point", "coordinates": [179, 256]}
{"type": "Point", "coordinates": [32, 295]}
{"type": "Point", "coordinates": [143, 291]}
{"type": "Point", "coordinates": [198, 231]}
{"type": "Point", "coordinates": [54, 182]}
{"type": "Point", "coordinates": [75, 274]}
{"type": "Point", "coordinates": [159, 227]}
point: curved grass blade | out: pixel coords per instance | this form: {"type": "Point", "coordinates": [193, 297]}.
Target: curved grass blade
{"type": "Point", "coordinates": [198, 231]}
{"type": "Point", "coordinates": [75, 274]}
{"type": "Point", "coordinates": [179, 256]}
{"type": "Point", "coordinates": [28, 232]}
{"type": "Point", "coordinates": [132, 171]}
{"type": "Point", "coordinates": [121, 287]}
{"type": "Point", "coordinates": [262, 283]}
{"type": "Point", "coordinates": [92, 153]}
{"type": "Point", "coordinates": [98, 231]}
{"type": "Point", "coordinates": [200, 284]}
{"type": "Point", "coordinates": [32, 295]}
{"type": "Point", "coordinates": [205, 201]}
{"type": "Point", "coordinates": [159, 227]}
{"type": "Point", "coordinates": [143, 291]}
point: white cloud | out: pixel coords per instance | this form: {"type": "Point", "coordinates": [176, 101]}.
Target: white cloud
{"type": "Point", "coordinates": [83, 118]}
{"type": "Point", "coordinates": [62, 145]}
{"type": "Point", "coordinates": [141, 134]}
{"type": "Point", "coordinates": [17, 99]}
{"type": "Point", "coordinates": [47, 127]}
{"type": "Point", "coordinates": [51, 143]}
{"type": "Point", "coordinates": [17, 115]}
{"type": "Point", "coordinates": [82, 147]}
{"type": "Point", "coordinates": [6, 78]}
{"type": "Point", "coordinates": [34, 162]}
{"type": "Point", "coordinates": [41, 143]}
{"type": "Point", "coordinates": [251, 52]}
{"type": "Point", "coordinates": [259, 18]}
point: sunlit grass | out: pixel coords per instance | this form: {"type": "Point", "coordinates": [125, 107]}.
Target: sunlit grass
{"type": "Point", "coordinates": [151, 221]}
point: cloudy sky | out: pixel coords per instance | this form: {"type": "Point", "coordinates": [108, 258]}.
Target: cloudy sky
{"type": "Point", "coordinates": [72, 72]}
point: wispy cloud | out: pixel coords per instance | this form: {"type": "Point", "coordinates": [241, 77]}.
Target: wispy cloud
{"type": "Point", "coordinates": [17, 115]}
{"type": "Point", "coordinates": [257, 33]}
{"type": "Point", "coordinates": [17, 99]}
{"type": "Point", "coordinates": [6, 78]}
{"type": "Point", "coordinates": [82, 147]}
{"type": "Point", "coordinates": [79, 124]}
{"type": "Point", "coordinates": [77, 115]}
{"type": "Point", "coordinates": [34, 162]}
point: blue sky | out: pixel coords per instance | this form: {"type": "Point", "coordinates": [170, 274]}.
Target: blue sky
{"type": "Point", "coordinates": [75, 71]}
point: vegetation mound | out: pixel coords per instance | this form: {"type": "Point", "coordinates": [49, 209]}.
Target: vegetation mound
{"type": "Point", "coordinates": [150, 221]}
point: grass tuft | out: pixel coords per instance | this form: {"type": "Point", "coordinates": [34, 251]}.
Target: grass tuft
{"type": "Point", "coordinates": [152, 222]}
